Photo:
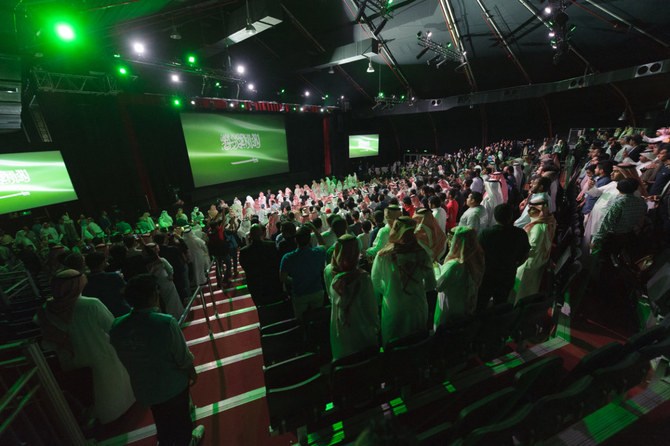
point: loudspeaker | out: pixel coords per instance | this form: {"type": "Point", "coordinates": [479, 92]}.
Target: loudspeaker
{"type": "Point", "coordinates": [649, 69]}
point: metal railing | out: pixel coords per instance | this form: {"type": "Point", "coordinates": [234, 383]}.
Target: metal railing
{"type": "Point", "coordinates": [199, 292]}
{"type": "Point", "coordinates": [35, 386]}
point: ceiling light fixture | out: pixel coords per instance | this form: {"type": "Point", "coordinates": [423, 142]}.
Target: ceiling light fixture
{"type": "Point", "coordinates": [175, 34]}
{"type": "Point", "coordinates": [138, 47]}
{"type": "Point", "coordinates": [370, 69]}
{"type": "Point", "coordinates": [331, 70]}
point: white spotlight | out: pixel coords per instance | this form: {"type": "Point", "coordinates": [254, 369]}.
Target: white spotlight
{"type": "Point", "coordinates": [552, 34]}
{"type": "Point", "coordinates": [429, 34]}
{"type": "Point", "coordinates": [250, 87]}
{"type": "Point", "coordinates": [240, 69]}
{"type": "Point", "coordinates": [138, 47]}
{"type": "Point", "coordinates": [547, 10]}
{"type": "Point", "coordinates": [192, 102]}
{"type": "Point", "coordinates": [175, 78]}
{"type": "Point", "coordinates": [342, 97]}
{"type": "Point", "coordinates": [307, 93]}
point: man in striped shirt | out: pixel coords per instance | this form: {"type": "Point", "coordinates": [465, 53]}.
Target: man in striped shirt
{"type": "Point", "coordinates": [625, 214]}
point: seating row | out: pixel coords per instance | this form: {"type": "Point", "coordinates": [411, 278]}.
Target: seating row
{"type": "Point", "coordinates": [298, 390]}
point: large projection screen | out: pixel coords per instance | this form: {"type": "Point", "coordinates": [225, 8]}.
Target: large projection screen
{"type": "Point", "coordinates": [363, 145]}
{"type": "Point", "coordinates": [33, 179]}
{"type": "Point", "coordinates": [224, 148]}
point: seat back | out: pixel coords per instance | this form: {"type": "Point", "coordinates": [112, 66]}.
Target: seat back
{"type": "Point", "coordinates": [497, 324]}
{"type": "Point", "coordinates": [661, 348]}
{"type": "Point", "coordinates": [291, 371]}
{"type": "Point", "coordinates": [453, 342]}
{"type": "Point", "coordinates": [317, 331]}
{"type": "Point", "coordinates": [552, 413]}
{"type": "Point", "coordinates": [644, 338]}
{"type": "Point", "coordinates": [271, 313]}
{"type": "Point", "coordinates": [278, 347]}
{"type": "Point", "coordinates": [485, 411]}
{"type": "Point", "coordinates": [622, 376]}
{"type": "Point", "coordinates": [540, 378]}
{"type": "Point", "coordinates": [279, 326]}
{"type": "Point", "coordinates": [357, 384]}
{"type": "Point", "coordinates": [534, 322]}
{"type": "Point", "coordinates": [597, 359]}
{"type": "Point", "coordinates": [502, 433]}
{"type": "Point", "coordinates": [293, 406]}
{"type": "Point", "coordinates": [406, 359]}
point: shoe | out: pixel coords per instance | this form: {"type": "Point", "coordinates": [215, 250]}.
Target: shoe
{"type": "Point", "coordinates": [197, 435]}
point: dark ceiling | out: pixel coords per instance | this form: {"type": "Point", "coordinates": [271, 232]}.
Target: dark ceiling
{"type": "Point", "coordinates": [506, 43]}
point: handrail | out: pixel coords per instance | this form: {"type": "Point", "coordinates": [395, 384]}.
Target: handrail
{"type": "Point", "coordinates": [19, 408]}
{"type": "Point", "coordinates": [195, 293]}
{"type": "Point", "coordinates": [16, 388]}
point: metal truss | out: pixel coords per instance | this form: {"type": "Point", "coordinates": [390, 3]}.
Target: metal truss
{"type": "Point", "coordinates": [63, 82]}
{"type": "Point", "coordinates": [443, 53]}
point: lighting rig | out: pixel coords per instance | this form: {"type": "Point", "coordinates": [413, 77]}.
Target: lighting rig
{"type": "Point", "coordinates": [559, 29]}
{"type": "Point", "coordinates": [383, 102]}
{"type": "Point", "coordinates": [443, 53]}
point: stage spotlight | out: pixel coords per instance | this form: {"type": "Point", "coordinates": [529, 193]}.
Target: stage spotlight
{"type": "Point", "coordinates": [552, 34]}
{"type": "Point", "coordinates": [65, 32]}
{"type": "Point", "coordinates": [240, 69]}
{"type": "Point", "coordinates": [331, 70]}
{"type": "Point", "coordinates": [547, 10]}
{"type": "Point", "coordinates": [174, 77]}
{"type": "Point", "coordinates": [429, 34]}
{"type": "Point", "coordinates": [176, 102]}
{"type": "Point", "coordinates": [191, 60]}
{"type": "Point", "coordinates": [250, 87]}
{"type": "Point", "coordinates": [370, 69]}
{"type": "Point", "coordinates": [192, 102]}
{"type": "Point", "coordinates": [342, 97]}
{"type": "Point", "coordinates": [123, 71]}
{"type": "Point", "coordinates": [306, 93]}
{"type": "Point", "coordinates": [138, 47]}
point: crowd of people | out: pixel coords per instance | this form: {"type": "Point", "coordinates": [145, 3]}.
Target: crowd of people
{"type": "Point", "coordinates": [404, 250]}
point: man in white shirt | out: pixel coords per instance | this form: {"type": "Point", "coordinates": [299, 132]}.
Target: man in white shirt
{"type": "Point", "coordinates": [438, 212]}
{"type": "Point", "coordinates": [472, 217]}
{"type": "Point", "coordinates": [477, 182]}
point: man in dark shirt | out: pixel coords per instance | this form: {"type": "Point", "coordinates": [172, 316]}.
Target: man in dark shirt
{"type": "Point", "coordinates": [505, 248]}
{"type": "Point", "coordinates": [152, 348]}
{"type": "Point", "coordinates": [176, 255]}
{"type": "Point", "coordinates": [260, 260]}
{"type": "Point", "coordinates": [105, 286]}
{"type": "Point", "coordinates": [303, 269]}
{"type": "Point", "coordinates": [287, 244]}
{"type": "Point", "coordinates": [379, 223]}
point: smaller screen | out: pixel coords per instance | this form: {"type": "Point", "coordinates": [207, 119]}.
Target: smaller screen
{"type": "Point", "coordinates": [363, 145]}
{"type": "Point", "coordinates": [34, 179]}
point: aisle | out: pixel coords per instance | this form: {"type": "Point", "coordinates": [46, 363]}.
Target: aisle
{"type": "Point", "coordinates": [230, 393]}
